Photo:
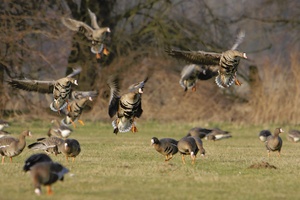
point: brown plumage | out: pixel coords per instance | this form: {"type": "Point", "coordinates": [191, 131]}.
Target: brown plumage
{"type": "Point", "coordinates": [60, 88]}
{"type": "Point", "coordinates": [126, 107]}
{"type": "Point", "coordinates": [74, 111]}
{"type": "Point", "coordinates": [199, 132]}
{"type": "Point", "coordinates": [49, 145]}
{"type": "Point", "coordinates": [293, 136]}
{"type": "Point", "coordinates": [3, 124]}
{"type": "Point", "coordinates": [227, 63]}
{"type": "Point", "coordinates": [46, 173]}
{"type": "Point", "coordinates": [71, 149]}
{"type": "Point", "coordinates": [165, 146]}
{"type": "Point", "coordinates": [188, 146]}
{"type": "Point", "coordinates": [217, 134]}
{"type": "Point", "coordinates": [59, 130]}
{"type": "Point", "coordinates": [10, 146]}
{"type": "Point", "coordinates": [95, 34]}
{"type": "Point", "coordinates": [274, 142]}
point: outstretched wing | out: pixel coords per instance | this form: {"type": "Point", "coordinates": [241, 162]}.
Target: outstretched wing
{"type": "Point", "coordinates": [93, 20]}
{"type": "Point", "coordinates": [82, 94]}
{"type": "Point", "coordinates": [114, 85]}
{"type": "Point", "coordinates": [79, 26]}
{"type": "Point", "coordinates": [33, 85]}
{"type": "Point", "coordinates": [75, 72]}
{"type": "Point", "coordinates": [196, 57]}
{"type": "Point", "coordinates": [239, 39]}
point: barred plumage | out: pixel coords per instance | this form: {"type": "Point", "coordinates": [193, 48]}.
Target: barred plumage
{"type": "Point", "coordinates": [94, 34]}
{"type": "Point", "coordinates": [165, 146]}
{"type": "Point", "coordinates": [226, 62]}
{"type": "Point", "coordinates": [127, 107]}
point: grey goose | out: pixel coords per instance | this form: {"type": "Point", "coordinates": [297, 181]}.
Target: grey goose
{"type": "Point", "coordinates": [274, 142]}
{"type": "Point", "coordinates": [165, 146]}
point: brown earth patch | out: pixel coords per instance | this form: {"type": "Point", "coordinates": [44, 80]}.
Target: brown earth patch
{"type": "Point", "coordinates": [262, 165]}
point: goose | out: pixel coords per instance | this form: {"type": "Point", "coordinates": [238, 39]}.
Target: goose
{"type": "Point", "coordinates": [222, 65]}
{"type": "Point", "coordinates": [126, 107]}
{"type": "Point", "coordinates": [217, 134]}
{"type": "Point", "coordinates": [95, 34]}
{"type": "Point", "coordinates": [34, 159]}
{"type": "Point", "coordinates": [293, 136]}
{"type": "Point", "coordinates": [188, 146]}
{"type": "Point", "coordinates": [75, 110]}
{"type": "Point", "coordinates": [165, 146]}
{"type": "Point", "coordinates": [60, 88]}
{"type": "Point", "coordinates": [59, 130]}
{"type": "Point", "coordinates": [4, 133]}
{"type": "Point", "coordinates": [49, 145]}
{"type": "Point", "coordinates": [263, 135]}
{"type": "Point", "coordinates": [71, 149]}
{"type": "Point", "coordinates": [11, 147]}
{"type": "Point", "coordinates": [44, 171]}
{"type": "Point", "coordinates": [274, 142]}
{"type": "Point", "coordinates": [3, 124]}
{"type": "Point", "coordinates": [199, 132]}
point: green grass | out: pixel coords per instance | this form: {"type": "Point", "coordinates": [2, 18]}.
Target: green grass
{"type": "Point", "coordinates": [127, 167]}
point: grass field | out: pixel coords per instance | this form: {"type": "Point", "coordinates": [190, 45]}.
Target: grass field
{"type": "Point", "coordinates": [127, 167]}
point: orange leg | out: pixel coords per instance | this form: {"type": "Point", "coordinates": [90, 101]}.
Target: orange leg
{"type": "Point", "coordinates": [3, 157]}
{"type": "Point", "coordinates": [10, 159]}
{"type": "Point", "coordinates": [49, 190]}
{"type": "Point", "coordinates": [73, 159]}
{"type": "Point", "coordinates": [81, 122]}
{"type": "Point", "coordinates": [193, 159]}
{"type": "Point", "coordinates": [194, 89]}
{"type": "Point", "coordinates": [237, 82]}
{"type": "Point", "coordinates": [98, 56]}
{"type": "Point", "coordinates": [105, 51]}
{"type": "Point", "coordinates": [183, 159]}
{"type": "Point", "coordinates": [67, 159]}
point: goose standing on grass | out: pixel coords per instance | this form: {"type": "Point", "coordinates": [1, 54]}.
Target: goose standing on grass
{"type": "Point", "coordinates": [274, 142]}
{"type": "Point", "coordinates": [74, 112]}
{"type": "Point", "coordinates": [263, 135]}
{"type": "Point", "coordinates": [95, 34]}
{"type": "Point", "coordinates": [126, 107]}
{"type": "Point", "coordinates": [188, 146]}
{"type": "Point", "coordinates": [44, 171]}
{"type": "Point", "coordinates": [71, 149]}
{"type": "Point", "coordinates": [217, 134]}
{"type": "Point", "coordinates": [165, 146]}
{"type": "Point", "coordinates": [227, 63]}
{"type": "Point", "coordinates": [11, 147]}
{"type": "Point", "coordinates": [49, 145]}
{"type": "Point", "coordinates": [293, 136]}
{"type": "Point", "coordinates": [60, 88]}
{"type": "Point", "coordinates": [59, 130]}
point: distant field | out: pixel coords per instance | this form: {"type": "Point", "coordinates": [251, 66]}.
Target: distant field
{"type": "Point", "coordinates": [127, 167]}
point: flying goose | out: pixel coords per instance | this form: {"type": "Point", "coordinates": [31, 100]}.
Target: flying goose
{"type": "Point", "coordinates": [226, 62]}
{"type": "Point", "coordinates": [293, 136]}
{"type": "Point", "coordinates": [49, 145]}
{"type": "Point", "coordinates": [74, 112]}
{"type": "Point", "coordinates": [95, 34]}
{"type": "Point", "coordinates": [188, 146]}
{"type": "Point", "coordinates": [59, 130]}
{"type": "Point", "coordinates": [60, 88]}
{"type": "Point", "coordinates": [165, 146]}
{"type": "Point", "coordinates": [44, 171]}
{"type": "Point", "coordinates": [10, 146]}
{"type": "Point", "coordinates": [263, 135]}
{"type": "Point", "coordinates": [126, 107]}
{"type": "Point", "coordinates": [274, 142]}
{"type": "Point", "coordinates": [71, 149]}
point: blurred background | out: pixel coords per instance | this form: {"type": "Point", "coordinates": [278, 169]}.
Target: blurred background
{"type": "Point", "coordinates": [34, 44]}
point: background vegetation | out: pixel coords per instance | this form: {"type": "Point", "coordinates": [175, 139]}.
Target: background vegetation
{"type": "Point", "coordinates": [35, 44]}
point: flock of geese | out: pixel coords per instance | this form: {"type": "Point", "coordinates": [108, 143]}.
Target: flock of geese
{"type": "Point", "coordinates": [124, 108]}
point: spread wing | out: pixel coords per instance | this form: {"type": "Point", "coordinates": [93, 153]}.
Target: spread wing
{"type": "Point", "coordinates": [196, 57]}
{"type": "Point", "coordinates": [79, 26]}
{"type": "Point", "coordinates": [208, 72]}
{"type": "Point", "coordinates": [75, 72]}
{"type": "Point", "coordinates": [33, 85]}
{"type": "Point", "coordinates": [82, 94]}
{"type": "Point", "coordinates": [114, 85]}
{"type": "Point", "coordinates": [93, 20]}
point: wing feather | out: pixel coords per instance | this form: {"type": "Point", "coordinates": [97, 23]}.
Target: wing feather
{"type": "Point", "coordinates": [33, 85]}
{"type": "Point", "coordinates": [79, 26]}
{"type": "Point", "coordinates": [114, 85]}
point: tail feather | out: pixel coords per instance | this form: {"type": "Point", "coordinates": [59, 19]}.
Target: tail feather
{"type": "Point", "coordinates": [225, 80]}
